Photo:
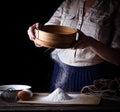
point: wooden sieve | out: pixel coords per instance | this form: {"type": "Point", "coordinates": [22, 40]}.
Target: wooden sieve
{"type": "Point", "coordinates": [55, 36]}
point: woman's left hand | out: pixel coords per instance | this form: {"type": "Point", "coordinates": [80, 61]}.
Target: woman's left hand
{"type": "Point", "coordinates": [83, 41]}
{"type": "Point", "coordinates": [104, 51]}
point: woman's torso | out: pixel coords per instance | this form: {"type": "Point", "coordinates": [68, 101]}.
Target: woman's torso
{"type": "Point", "coordinates": [95, 22]}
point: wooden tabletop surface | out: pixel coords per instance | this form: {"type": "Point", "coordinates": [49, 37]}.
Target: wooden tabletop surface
{"type": "Point", "coordinates": [105, 105]}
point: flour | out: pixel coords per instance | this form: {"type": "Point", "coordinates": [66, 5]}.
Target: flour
{"type": "Point", "coordinates": [57, 95]}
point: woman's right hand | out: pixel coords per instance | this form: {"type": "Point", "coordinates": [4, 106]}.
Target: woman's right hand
{"type": "Point", "coordinates": [31, 32]}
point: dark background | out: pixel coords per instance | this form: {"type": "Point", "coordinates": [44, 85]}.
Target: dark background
{"type": "Point", "coordinates": [21, 62]}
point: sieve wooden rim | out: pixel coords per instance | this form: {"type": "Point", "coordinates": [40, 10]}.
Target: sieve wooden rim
{"type": "Point", "coordinates": [53, 45]}
{"type": "Point", "coordinates": [57, 29]}
{"type": "Point", "coordinates": [55, 36]}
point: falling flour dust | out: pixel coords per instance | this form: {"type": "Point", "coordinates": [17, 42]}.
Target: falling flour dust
{"type": "Point", "coordinates": [58, 95]}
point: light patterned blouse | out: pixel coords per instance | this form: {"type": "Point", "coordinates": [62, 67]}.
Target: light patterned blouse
{"type": "Point", "coordinates": [97, 23]}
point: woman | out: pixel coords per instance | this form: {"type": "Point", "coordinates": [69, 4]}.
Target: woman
{"type": "Point", "coordinates": [97, 45]}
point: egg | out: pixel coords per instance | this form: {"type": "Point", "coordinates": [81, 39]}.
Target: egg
{"type": "Point", "coordinates": [25, 94]}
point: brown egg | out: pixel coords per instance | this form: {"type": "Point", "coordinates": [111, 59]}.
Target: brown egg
{"type": "Point", "coordinates": [24, 94]}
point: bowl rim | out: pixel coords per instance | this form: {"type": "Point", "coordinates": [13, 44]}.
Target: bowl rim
{"type": "Point", "coordinates": [14, 87]}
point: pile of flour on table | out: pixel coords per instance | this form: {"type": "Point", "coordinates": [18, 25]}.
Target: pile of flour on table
{"type": "Point", "coordinates": [58, 95]}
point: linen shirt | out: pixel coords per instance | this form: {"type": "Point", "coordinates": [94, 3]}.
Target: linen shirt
{"type": "Point", "coordinates": [96, 22]}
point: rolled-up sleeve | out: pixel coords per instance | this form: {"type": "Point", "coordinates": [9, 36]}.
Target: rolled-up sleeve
{"type": "Point", "coordinates": [56, 17]}
{"type": "Point", "coordinates": [116, 38]}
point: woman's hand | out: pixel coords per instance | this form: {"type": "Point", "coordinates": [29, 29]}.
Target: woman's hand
{"type": "Point", "coordinates": [104, 51]}
{"type": "Point", "coordinates": [31, 32]}
{"type": "Point", "coordinates": [83, 41]}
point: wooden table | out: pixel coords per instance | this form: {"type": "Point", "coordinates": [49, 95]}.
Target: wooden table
{"type": "Point", "coordinates": [105, 105]}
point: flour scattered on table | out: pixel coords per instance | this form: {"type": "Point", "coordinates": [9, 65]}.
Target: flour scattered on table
{"type": "Point", "coordinates": [58, 95]}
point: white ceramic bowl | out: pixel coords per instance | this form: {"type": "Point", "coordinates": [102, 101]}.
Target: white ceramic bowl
{"type": "Point", "coordinates": [14, 87]}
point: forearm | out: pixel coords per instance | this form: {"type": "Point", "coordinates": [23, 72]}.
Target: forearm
{"type": "Point", "coordinates": [111, 55]}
